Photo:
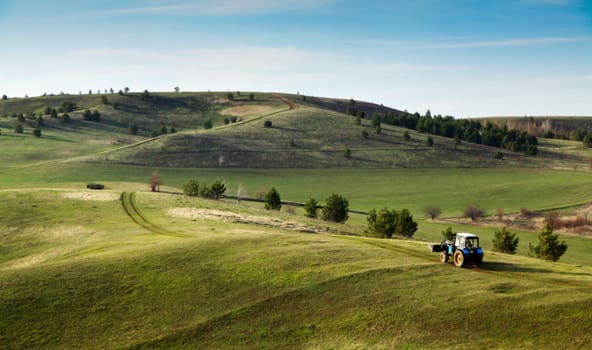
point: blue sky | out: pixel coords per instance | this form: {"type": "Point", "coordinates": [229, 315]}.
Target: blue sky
{"type": "Point", "coordinates": [455, 57]}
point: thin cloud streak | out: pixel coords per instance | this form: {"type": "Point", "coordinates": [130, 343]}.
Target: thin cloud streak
{"type": "Point", "coordinates": [518, 42]}
{"type": "Point", "coordinates": [219, 7]}
{"type": "Point", "coordinates": [510, 43]}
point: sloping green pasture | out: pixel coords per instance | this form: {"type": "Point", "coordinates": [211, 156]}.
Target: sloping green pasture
{"type": "Point", "coordinates": [77, 272]}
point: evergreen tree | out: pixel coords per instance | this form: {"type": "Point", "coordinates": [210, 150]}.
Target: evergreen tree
{"type": "Point", "coordinates": [272, 200]}
{"type": "Point", "coordinates": [549, 247]}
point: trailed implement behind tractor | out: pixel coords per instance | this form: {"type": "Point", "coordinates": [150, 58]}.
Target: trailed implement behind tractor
{"type": "Point", "coordinates": [464, 250]}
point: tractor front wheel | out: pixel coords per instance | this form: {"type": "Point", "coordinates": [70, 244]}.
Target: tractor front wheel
{"type": "Point", "coordinates": [459, 258]}
{"type": "Point", "coordinates": [444, 257]}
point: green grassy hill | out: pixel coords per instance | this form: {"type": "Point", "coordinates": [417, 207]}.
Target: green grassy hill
{"type": "Point", "coordinates": [316, 134]}
{"type": "Point", "coordinates": [77, 272]}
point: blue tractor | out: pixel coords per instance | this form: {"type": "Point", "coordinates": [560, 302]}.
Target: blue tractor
{"type": "Point", "coordinates": [464, 250]}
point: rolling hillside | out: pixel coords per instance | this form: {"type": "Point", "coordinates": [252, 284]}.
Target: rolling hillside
{"type": "Point", "coordinates": [314, 134]}
{"type": "Point", "coordinates": [124, 268]}
{"type": "Point", "coordinates": [79, 272]}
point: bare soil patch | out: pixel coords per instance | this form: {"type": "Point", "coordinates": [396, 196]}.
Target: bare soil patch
{"type": "Point", "coordinates": [92, 196]}
{"type": "Point", "coordinates": [210, 214]}
{"type": "Point", "coordinates": [242, 111]}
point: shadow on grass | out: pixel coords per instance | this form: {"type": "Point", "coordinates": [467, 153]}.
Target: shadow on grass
{"type": "Point", "coordinates": [507, 267]}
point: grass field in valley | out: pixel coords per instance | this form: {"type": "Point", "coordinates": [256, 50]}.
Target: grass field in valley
{"type": "Point", "coordinates": [76, 272]}
{"type": "Point", "coordinates": [450, 189]}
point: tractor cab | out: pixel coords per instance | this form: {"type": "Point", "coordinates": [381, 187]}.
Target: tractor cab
{"type": "Point", "coordinates": [466, 240]}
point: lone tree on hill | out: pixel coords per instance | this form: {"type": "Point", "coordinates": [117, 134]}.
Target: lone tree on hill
{"type": "Point", "coordinates": [432, 211]}
{"type": "Point", "coordinates": [549, 247]}
{"type": "Point", "coordinates": [155, 181]}
{"type": "Point", "coordinates": [4, 97]}
{"type": "Point", "coordinates": [505, 241]}
{"type": "Point", "coordinates": [272, 200]}
{"type": "Point", "coordinates": [336, 209]}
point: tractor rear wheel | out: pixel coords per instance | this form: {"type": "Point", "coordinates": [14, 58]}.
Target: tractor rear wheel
{"type": "Point", "coordinates": [444, 257]}
{"type": "Point", "coordinates": [459, 259]}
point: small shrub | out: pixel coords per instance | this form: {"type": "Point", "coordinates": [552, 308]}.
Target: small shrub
{"type": "Point", "coordinates": [432, 211]}
{"type": "Point", "coordinates": [18, 128]}
{"type": "Point", "coordinates": [474, 212]}
{"type": "Point", "coordinates": [208, 124]}
{"type": "Point", "coordinates": [347, 153]}
{"type": "Point", "coordinates": [191, 188]}
{"type": "Point", "coordinates": [499, 155]}
{"type": "Point", "coordinates": [93, 186]}
{"type": "Point", "coordinates": [552, 219]}
{"type": "Point", "coordinates": [133, 129]}
{"type": "Point", "coordinates": [218, 189]}
{"type": "Point", "coordinates": [267, 124]}
{"type": "Point", "coordinates": [155, 181]}
{"type": "Point", "coordinates": [429, 141]}
{"type": "Point", "coordinates": [448, 234]}
{"type": "Point", "coordinates": [365, 134]}
{"type": "Point", "coordinates": [290, 209]}
{"type": "Point", "coordinates": [311, 208]}
{"type": "Point", "coordinates": [500, 213]}
{"type": "Point", "coordinates": [37, 132]}
{"type": "Point", "coordinates": [525, 213]}
{"type": "Point", "coordinates": [260, 194]}
{"type": "Point", "coordinates": [272, 200]}
{"type": "Point", "coordinates": [205, 191]}
{"type": "Point", "coordinates": [336, 209]}
{"type": "Point", "coordinates": [504, 241]}
{"type": "Point", "coordinates": [406, 136]}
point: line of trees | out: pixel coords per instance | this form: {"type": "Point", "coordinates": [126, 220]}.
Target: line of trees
{"type": "Point", "coordinates": [193, 188]}
{"type": "Point", "coordinates": [386, 222]}
{"type": "Point", "coordinates": [465, 130]}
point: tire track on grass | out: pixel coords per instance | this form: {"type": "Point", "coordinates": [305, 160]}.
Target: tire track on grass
{"type": "Point", "coordinates": [128, 202]}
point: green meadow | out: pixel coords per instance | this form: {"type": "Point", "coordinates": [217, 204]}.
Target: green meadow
{"type": "Point", "coordinates": [126, 268]}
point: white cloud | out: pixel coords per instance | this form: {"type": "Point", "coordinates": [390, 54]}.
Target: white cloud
{"type": "Point", "coordinates": [220, 7]}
